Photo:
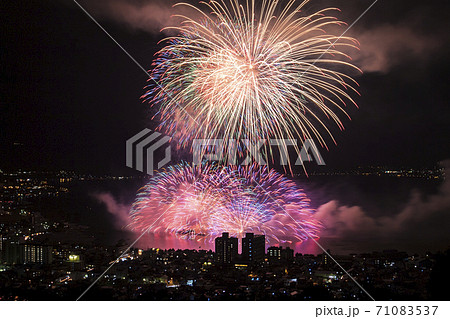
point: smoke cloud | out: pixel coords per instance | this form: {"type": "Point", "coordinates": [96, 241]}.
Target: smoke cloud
{"type": "Point", "coordinates": [150, 16]}
{"type": "Point", "coordinates": [387, 46]}
{"type": "Point", "coordinates": [421, 224]}
{"type": "Point", "coordinates": [382, 47]}
{"type": "Point", "coordinates": [118, 210]}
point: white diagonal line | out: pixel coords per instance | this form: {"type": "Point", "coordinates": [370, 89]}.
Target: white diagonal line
{"type": "Point", "coordinates": [317, 243]}
{"type": "Point", "coordinates": [130, 56]}
{"type": "Point", "coordinates": [111, 37]}
{"type": "Point", "coordinates": [129, 247]}
{"type": "Point", "coordinates": [332, 44]}
{"type": "Point", "coordinates": [113, 263]}
{"type": "Point", "coordinates": [306, 232]}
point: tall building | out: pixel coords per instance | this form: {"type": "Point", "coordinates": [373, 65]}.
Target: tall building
{"type": "Point", "coordinates": [226, 249]}
{"type": "Point", "coordinates": [1, 243]}
{"type": "Point", "coordinates": [280, 254]}
{"type": "Point", "coordinates": [253, 248]}
{"type": "Point", "coordinates": [287, 254]}
{"type": "Point", "coordinates": [274, 254]}
{"type": "Point", "coordinates": [326, 258]}
{"type": "Point", "coordinates": [15, 253]}
{"type": "Point", "coordinates": [11, 252]}
{"type": "Point", "coordinates": [36, 254]}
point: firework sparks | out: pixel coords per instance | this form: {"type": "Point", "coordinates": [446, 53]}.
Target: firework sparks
{"type": "Point", "coordinates": [201, 202]}
{"type": "Point", "coordinates": [252, 70]}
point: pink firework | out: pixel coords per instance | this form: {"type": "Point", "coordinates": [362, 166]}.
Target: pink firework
{"type": "Point", "coordinates": [201, 202]}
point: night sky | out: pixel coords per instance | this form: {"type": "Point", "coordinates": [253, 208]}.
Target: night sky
{"type": "Point", "coordinates": [70, 97]}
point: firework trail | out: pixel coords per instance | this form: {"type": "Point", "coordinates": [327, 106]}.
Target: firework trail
{"type": "Point", "coordinates": [246, 69]}
{"type": "Point", "coordinates": [201, 202]}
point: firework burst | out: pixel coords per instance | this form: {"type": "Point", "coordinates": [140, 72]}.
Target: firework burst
{"type": "Point", "coordinates": [201, 202]}
{"type": "Point", "coordinates": [246, 69]}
